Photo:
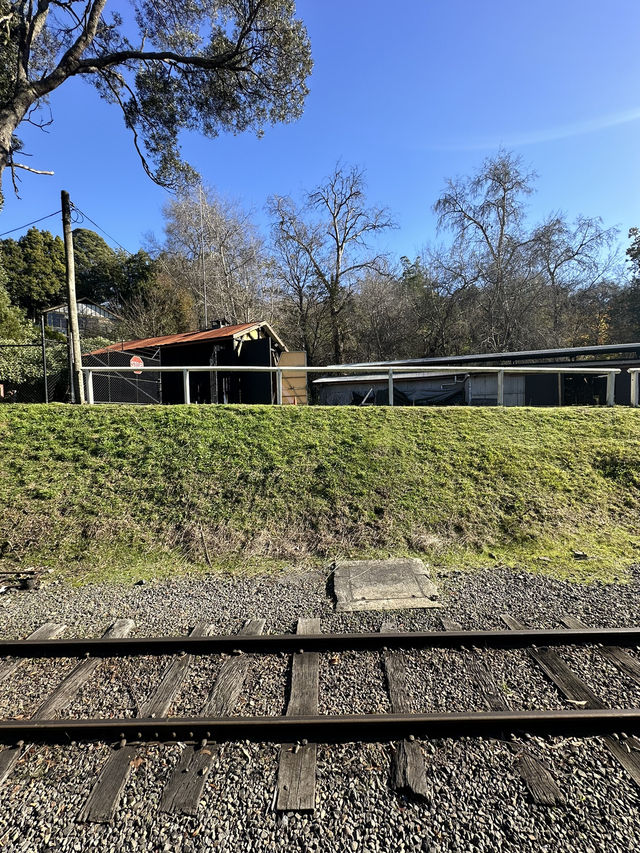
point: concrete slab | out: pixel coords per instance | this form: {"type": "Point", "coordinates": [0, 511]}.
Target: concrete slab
{"type": "Point", "coordinates": [396, 584]}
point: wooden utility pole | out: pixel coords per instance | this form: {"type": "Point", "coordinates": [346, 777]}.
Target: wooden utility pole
{"type": "Point", "coordinates": [73, 331]}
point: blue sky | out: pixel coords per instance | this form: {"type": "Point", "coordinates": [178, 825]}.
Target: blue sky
{"type": "Point", "coordinates": [414, 92]}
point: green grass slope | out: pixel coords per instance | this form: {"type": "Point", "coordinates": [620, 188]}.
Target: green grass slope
{"type": "Point", "coordinates": [128, 492]}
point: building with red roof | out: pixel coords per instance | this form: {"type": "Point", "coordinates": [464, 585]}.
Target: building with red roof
{"type": "Point", "coordinates": [250, 344]}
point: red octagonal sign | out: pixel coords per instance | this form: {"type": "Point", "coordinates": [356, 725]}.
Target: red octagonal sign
{"type": "Point", "coordinates": [136, 361]}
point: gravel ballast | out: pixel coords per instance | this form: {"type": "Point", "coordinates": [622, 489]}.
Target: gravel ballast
{"type": "Point", "coordinates": [477, 800]}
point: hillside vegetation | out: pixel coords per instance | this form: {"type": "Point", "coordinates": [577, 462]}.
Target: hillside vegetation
{"type": "Point", "coordinates": [132, 492]}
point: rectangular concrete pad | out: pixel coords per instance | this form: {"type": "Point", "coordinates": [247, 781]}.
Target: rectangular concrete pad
{"type": "Point", "coordinates": [396, 584]}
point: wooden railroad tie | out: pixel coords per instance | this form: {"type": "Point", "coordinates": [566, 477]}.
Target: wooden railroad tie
{"type": "Point", "coordinates": [105, 794]}
{"type": "Point", "coordinates": [183, 791]}
{"type": "Point", "coordinates": [296, 780]}
{"type": "Point", "coordinates": [576, 691]}
{"type": "Point", "coordinates": [66, 691]}
{"type": "Point", "coordinates": [537, 778]}
{"type": "Point", "coordinates": [297, 764]}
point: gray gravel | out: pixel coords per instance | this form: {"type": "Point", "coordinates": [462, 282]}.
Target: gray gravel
{"type": "Point", "coordinates": [477, 801]}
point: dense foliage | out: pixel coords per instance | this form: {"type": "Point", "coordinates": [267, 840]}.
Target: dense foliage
{"type": "Point", "coordinates": [34, 268]}
{"type": "Point", "coordinates": [206, 65]}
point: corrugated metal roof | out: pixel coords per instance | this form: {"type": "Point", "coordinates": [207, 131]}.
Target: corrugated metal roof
{"type": "Point", "coordinates": [223, 333]}
{"type": "Point", "coordinates": [520, 355]}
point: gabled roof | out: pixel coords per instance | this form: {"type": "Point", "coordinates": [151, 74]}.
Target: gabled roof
{"type": "Point", "coordinates": [221, 334]}
{"type": "Point", "coordinates": [87, 303]}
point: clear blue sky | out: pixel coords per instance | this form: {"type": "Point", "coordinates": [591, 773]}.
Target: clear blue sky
{"type": "Point", "coordinates": [413, 91]}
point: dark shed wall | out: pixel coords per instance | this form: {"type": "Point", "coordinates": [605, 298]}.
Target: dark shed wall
{"type": "Point", "coordinates": [220, 387]}
{"type": "Point", "coordinates": [623, 389]}
{"type": "Point", "coordinates": [189, 355]}
{"type": "Point", "coordinates": [541, 389]}
{"type": "Point", "coordinates": [256, 387]}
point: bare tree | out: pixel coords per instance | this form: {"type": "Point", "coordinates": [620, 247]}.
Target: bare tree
{"type": "Point", "coordinates": [491, 248]}
{"type": "Point", "coordinates": [574, 261]}
{"type": "Point", "coordinates": [303, 312]}
{"type": "Point", "coordinates": [383, 323]}
{"type": "Point", "coordinates": [332, 230]}
{"type": "Point", "coordinates": [441, 299]}
{"type": "Point", "coordinates": [212, 247]}
{"type": "Point", "coordinates": [162, 307]}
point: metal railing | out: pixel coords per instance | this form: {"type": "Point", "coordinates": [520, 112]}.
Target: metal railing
{"type": "Point", "coordinates": [396, 370]}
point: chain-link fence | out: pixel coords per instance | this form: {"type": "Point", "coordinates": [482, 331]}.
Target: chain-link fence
{"type": "Point", "coordinates": [38, 372]}
{"type": "Point", "coordinates": [119, 387]}
{"type": "Point", "coordinates": [34, 372]}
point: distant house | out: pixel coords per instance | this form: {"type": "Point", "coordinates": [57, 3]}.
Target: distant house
{"type": "Point", "coordinates": [250, 344]}
{"type": "Point", "coordinates": [93, 319]}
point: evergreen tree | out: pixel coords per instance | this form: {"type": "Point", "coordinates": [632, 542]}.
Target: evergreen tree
{"type": "Point", "coordinates": [98, 267]}
{"type": "Point", "coordinates": [35, 268]}
{"type": "Point", "coordinates": [13, 325]}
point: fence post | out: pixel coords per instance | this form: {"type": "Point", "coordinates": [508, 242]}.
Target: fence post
{"type": "Point", "coordinates": [187, 390]}
{"type": "Point", "coordinates": [500, 400]}
{"type": "Point", "coordinates": [611, 388]}
{"type": "Point", "coordinates": [634, 388]}
{"type": "Point", "coordinates": [44, 359]}
{"type": "Point", "coordinates": [279, 386]}
{"type": "Point", "coordinates": [390, 386]}
{"type": "Point", "coordinates": [89, 377]}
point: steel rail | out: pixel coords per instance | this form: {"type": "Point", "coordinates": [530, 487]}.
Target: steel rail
{"type": "Point", "coordinates": [289, 643]}
{"type": "Point", "coordinates": [323, 729]}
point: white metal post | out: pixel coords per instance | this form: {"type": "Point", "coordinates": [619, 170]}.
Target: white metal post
{"type": "Point", "coordinates": [611, 388]}
{"type": "Point", "coordinates": [185, 382]}
{"type": "Point", "coordinates": [501, 388]}
{"type": "Point", "coordinates": [399, 370]}
{"type": "Point", "coordinates": [634, 388]}
{"type": "Point", "coordinates": [89, 375]}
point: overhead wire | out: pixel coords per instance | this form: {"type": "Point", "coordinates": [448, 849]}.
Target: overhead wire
{"type": "Point", "coordinates": [29, 224]}
{"type": "Point", "coordinates": [84, 215]}
{"type": "Point", "coordinates": [56, 213]}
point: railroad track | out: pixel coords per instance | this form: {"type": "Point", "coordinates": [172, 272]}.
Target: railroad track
{"type": "Point", "coordinates": [302, 728]}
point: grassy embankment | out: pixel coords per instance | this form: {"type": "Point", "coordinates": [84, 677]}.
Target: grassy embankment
{"type": "Point", "coordinates": [117, 492]}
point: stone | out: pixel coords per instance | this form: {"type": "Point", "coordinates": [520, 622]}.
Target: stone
{"type": "Point", "coordinates": [395, 584]}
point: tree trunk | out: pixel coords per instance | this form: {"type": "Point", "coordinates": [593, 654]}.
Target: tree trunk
{"type": "Point", "coordinates": [334, 311]}
{"type": "Point", "coordinates": [335, 336]}
{"type": "Point", "coordinates": [306, 337]}
{"type": "Point", "coordinates": [10, 118]}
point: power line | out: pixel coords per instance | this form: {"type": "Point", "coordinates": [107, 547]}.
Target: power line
{"type": "Point", "coordinates": [113, 239]}
{"type": "Point", "coordinates": [35, 221]}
